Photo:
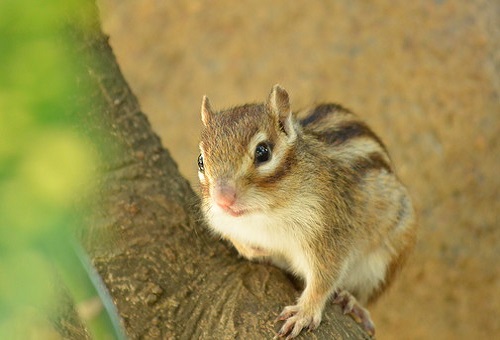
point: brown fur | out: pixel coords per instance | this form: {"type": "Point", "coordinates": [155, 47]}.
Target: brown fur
{"type": "Point", "coordinates": [332, 191]}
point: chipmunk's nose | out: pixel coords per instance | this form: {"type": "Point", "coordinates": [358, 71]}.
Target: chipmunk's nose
{"type": "Point", "coordinates": [224, 195]}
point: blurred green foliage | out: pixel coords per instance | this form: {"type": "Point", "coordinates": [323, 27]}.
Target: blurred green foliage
{"type": "Point", "coordinates": [46, 165]}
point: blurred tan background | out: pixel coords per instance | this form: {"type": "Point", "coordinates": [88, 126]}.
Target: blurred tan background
{"type": "Point", "coordinates": [424, 74]}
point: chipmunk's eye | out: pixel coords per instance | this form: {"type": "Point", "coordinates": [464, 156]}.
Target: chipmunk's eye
{"type": "Point", "coordinates": [262, 153]}
{"type": "Point", "coordinates": [201, 167]}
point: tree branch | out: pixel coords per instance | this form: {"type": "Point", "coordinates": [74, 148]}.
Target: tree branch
{"type": "Point", "coordinates": [167, 275]}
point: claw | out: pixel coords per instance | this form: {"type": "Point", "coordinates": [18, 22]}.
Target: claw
{"type": "Point", "coordinates": [296, 319]}
{"type": "Point", "coordinates": [287, 312]}
{"type": "Point", "coordinates": [350, 306]}
{"type": "Point", "coordinates": [312, 326]}
{"type": "Point", "coordinates": [285, 329]}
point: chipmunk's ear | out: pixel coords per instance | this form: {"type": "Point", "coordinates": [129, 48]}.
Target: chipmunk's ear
{"type": "Point", "coordinates": [206, 111]}
{"type": "Point", "coordinates": [278, 104]}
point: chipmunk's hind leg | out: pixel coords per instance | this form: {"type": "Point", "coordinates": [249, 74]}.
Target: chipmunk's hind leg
{"type": "Point", "coordinates": [351, 306]}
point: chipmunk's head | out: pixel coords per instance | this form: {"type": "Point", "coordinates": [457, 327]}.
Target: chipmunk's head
{"type": "Point", "coordinates": [245, 152]}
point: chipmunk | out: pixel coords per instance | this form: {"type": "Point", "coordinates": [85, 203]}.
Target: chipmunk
{"type": "Point", "coordinates": [317, 196]}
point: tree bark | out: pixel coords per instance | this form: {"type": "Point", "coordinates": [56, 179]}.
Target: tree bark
{"type": "Point", "coordinates": [168, 276]}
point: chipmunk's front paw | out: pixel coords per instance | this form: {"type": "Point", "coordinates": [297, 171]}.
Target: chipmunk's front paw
{"type": "Point", "coordinates": [296, 319]}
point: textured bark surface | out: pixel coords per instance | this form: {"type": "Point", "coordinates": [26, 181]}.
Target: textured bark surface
{"type": "Point", "coordinates": [424, 74]}
{"type": "Point", "coordinates": [167, 275]}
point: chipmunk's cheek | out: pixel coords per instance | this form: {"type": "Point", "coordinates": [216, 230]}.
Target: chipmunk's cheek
{"type": "Point", "coordinates": [204, 177]}
{"type": "Point", "coordinates": [201, 177]}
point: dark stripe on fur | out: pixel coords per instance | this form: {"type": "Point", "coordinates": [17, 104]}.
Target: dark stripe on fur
{"type": "Point", "coordinates": [283, 169]}
{"type": "Point", "coordinates": [353, 174]}
{"type": "Point", "coordinates": [374, 161]}
{"type": "Point", "coordinates": [320, 112]}
{"type": "Point", "coordinates": [345, 132]}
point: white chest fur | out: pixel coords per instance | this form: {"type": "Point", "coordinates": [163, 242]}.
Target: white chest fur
{"type": "Point", "coordinates": [277, 233]}
{"type": "Point", "coordinates": [254, 229]}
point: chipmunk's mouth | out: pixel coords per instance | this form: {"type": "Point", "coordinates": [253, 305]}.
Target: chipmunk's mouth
{"type": "Point", "coordinates": [232, 211]}
{"type": "Point", "coordinates": [235, 213]}
{"type": "Point", "coordinates": [229, 206]}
